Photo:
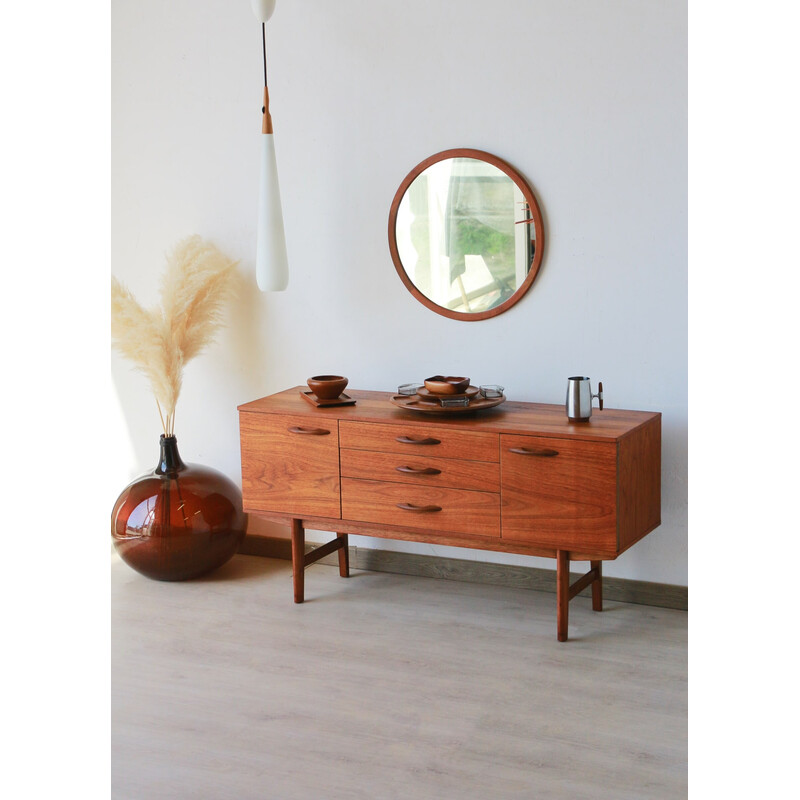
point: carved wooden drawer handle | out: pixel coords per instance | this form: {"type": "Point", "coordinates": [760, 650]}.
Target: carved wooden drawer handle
{"type": "Point", "coordinates": [541, 451]}
{"type": "Point", "coordinates": [410, 440]}
{"type": "Point", "coordinates": [419, 509]}
{"type": "Point", "coordinates": [309, 431]}
{"type": "Point", "coordinates": [419, 470]}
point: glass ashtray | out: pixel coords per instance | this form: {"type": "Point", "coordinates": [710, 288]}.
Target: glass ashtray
{"type": "Point", "coordinates": [409, 388]}
{"type": "Point", "coordinates": [491, 391]}
{"type": "Point", "coordinates": [456, 402]}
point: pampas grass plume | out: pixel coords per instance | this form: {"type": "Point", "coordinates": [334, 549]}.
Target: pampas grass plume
{"type": "Point", "coordinates": [161, 341]}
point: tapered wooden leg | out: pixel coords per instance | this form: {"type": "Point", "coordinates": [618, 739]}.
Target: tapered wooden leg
{"type": "Point", "coordinates": [597, 586]}
{"type": "Point", "coordinates": [562, 594]}
{"type": "Point", "coordinates": [344, 556]}
{"type": "Point", "coordinates": [298, 558]}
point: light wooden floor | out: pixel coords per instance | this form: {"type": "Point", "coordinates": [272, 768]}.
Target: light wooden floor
{"type": "Point", "coordinates": [388, 686]}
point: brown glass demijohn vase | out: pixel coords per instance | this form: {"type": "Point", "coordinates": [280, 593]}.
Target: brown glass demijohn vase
{"type": "Point", "coordinates": [178, 522]}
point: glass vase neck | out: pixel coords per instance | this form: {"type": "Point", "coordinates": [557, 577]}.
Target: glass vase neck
{"type": "Point", "coordinates": [170, 459]}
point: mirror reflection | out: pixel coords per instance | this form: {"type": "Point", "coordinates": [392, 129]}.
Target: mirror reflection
{"type": "Point", "coordinates": [465, 235]}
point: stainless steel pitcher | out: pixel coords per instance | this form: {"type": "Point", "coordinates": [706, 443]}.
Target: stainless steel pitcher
{"type": "Point", "coordinates": [579, 398]}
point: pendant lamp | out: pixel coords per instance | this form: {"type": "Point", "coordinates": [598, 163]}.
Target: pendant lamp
{"type": "Point", "coordinates": [272, 267]}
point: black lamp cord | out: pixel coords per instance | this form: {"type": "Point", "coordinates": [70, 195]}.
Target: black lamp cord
{"type": "Point", "coordinates": [264, 46]}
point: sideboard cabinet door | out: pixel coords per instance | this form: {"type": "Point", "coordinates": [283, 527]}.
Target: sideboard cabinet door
{"type": "Point", "coordinates": [560, 493]}
{"type": "Point", "coordinates": [290, 465]}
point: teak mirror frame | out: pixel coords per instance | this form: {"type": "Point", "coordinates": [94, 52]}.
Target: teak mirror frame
{"type": "Point", "coordinates": [536, 221]}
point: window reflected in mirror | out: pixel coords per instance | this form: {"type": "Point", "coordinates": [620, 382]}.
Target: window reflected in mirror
{"type": "Point", "coordinates": [465, 234]}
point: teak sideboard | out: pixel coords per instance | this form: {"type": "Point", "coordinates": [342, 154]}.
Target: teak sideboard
{"type": "Point", "coordinates": [519, 478]}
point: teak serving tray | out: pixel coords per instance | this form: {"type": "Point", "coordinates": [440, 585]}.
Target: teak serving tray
{"type": "Point", "coordinates": [342, 400]}
{"type": "Point", "coordinates": [417, 403]}
{"type": "Point", "coordinates": [427, 394]}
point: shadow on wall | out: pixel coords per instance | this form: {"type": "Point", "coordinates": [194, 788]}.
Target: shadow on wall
{"type": "Point", "coordinates": [135, 410]}
{"type": "Point", "coordinates": [126, 452]}
{"type": "Point", "coordinates": [247, 348]}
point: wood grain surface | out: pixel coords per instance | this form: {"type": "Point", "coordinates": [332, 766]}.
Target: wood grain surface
{"type": "Point", "coordinates": [639, 504]}
{"type": "Point", "coordinates": [511, 417]}
{"type": "Point", "coordinates": [420, 532]}
{"type": "Point", "coordinates": [418, 438]}
{"type": "Point", "coordinates": [289, 472]}
{"type": "Point", "coordinates": [419, 469]}
{"type": "Point", "coordinates": [567, 501]}
{"type": "Point", "coordinates": [476, 513]}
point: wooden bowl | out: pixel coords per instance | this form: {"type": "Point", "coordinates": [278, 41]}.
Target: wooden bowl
{"type": "Point", "coordinates": [327, 387]}
{"type": "Point", "coordinates": [441, 384]}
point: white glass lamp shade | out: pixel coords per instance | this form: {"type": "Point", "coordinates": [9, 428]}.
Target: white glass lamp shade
{"type": "Point", "coordinates": [263, 9]}
{"type": "Point", "coordinates": [272, 266]}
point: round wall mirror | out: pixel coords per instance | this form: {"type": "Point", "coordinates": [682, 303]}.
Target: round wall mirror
{"type": "Point", "coordinates": [466, 234]}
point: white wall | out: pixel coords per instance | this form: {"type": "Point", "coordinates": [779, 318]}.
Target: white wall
{"type": "Point", "coordinates": [587, 99]}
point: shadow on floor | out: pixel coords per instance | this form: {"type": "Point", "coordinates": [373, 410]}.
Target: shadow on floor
{"type": "Point", "coordinates": [243, 568]}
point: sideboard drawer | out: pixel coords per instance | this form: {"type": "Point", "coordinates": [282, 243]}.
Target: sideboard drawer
{"type": "Point", "coordinates": [470, 513]}
{"type": "Point", "coordinates": [559, 492]}
{"type": "Point", "coordinates": [290, 465]}
{"type": "Point", "coordinates": [419, 469]}
{"type": "Point", "coordinates": [416, 439]}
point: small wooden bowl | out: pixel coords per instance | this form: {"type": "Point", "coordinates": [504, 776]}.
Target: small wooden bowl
{"type": "Point", "coordinates": [441, 384]}
{"type": "Point", "coordinates": [327, 387]}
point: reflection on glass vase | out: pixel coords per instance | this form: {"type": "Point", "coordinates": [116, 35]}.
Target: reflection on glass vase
{"type": "Point", "coordinates": [178, 522]}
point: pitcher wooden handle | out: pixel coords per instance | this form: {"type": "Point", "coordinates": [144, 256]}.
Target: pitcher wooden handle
{"type": "Point", "coordinates": [419, 509]}
{"type": "Point", "coordinates": [541, 451]}
{"type": "Point", "coordinates": [309, 431]}
{"type": "Point", "coordinates": [600, 394]}
{"type": "Point", "coordinates": [419, 470]}
{"type": "Point", "coordinates": [411, 440]}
